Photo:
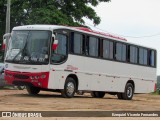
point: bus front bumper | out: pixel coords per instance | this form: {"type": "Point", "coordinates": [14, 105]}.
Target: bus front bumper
{"type": "Point", "coordinates": [39, 79]}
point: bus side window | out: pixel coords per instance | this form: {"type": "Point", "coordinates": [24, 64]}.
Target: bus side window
{"type": "Point", "coordinates": [107, 49]}
{"type": "Point", "coordinates": [60, 54]}
{"type": "Point", "coordinates": [133, 52]}
{"type": "Point", "coordinates": [77, 43]}
{"type": "Point", "coordinates": [151, 58]}
{"type": "Point", "coordinates": [121, 52]}
{"type": "Point", "coordinates": [93, 46]}
{"type": "Point", "coordinates": [143, 56]}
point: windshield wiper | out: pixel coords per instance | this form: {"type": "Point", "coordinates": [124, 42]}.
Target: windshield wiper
{"type": "Point", "coordinates": [21, 49]}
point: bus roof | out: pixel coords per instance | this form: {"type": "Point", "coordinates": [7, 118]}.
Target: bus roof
{"type": "Point", "coordinates": [81, 29]}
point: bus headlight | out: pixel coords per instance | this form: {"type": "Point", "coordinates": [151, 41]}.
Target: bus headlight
{"type": "Point", "coordinates": [9, 75]}
{"type": "Point", "coordinates": [36, 77]}
{"type": "Point", "coordinates": [43, 76]}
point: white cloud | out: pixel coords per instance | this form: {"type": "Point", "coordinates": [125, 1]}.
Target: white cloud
{"type": "Point", "coordinates": [129, 13]}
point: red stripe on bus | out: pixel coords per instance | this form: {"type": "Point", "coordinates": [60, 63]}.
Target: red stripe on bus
{"type": "Point", "coordinates": [100, 33]}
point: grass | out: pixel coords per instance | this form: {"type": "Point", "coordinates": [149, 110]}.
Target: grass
{"type": "Point", "coordinates": [7, 87]}
{"type": "Point", "coordinates": [157, 92]}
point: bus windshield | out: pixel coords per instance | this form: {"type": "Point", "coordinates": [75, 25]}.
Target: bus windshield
{"type": "Point", "coordinates": [30, 47]}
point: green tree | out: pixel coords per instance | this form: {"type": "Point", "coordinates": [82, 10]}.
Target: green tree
{"type": "Point", "coordinates": [64, 12]}
{"type": "Point", "coordinates": [2, 18]}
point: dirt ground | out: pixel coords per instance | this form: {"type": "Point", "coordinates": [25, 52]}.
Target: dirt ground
{"type": "Point", "coordinates": [19, 100]}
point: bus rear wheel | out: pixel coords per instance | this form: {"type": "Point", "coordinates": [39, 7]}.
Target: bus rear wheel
{"type": "Point", "coordinates": [32, 90]}
{"type": "Point", "coordinates": [97, 94]}
{"type": "Point", "coordinates": [69, 88]}
{"type": "Point", "coordinates": [129, 91]}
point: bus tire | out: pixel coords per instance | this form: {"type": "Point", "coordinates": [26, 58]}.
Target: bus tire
{"type": "Point", "coordinates": [32, 90]}
{"type": "Point", "coordinates": [119, 95]}
{"type": "Point", "coordinates": [69, 88]}
{"type": "Point", "coordinates": [129, 91]}
{"type": "Point", "coordinates": [97, 94]}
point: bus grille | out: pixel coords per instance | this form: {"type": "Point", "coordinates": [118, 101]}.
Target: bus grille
{"type": "Point", "coordinates": [21, 76]}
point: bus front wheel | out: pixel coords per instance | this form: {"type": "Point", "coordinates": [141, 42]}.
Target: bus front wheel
{"type": "Point", "coordinates": [32, 90]}
{"type": "Point", "coordinates": [69, 88]}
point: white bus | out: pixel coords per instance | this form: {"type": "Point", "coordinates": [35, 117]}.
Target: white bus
{"type": "Point", "coordinates": [76, 60]}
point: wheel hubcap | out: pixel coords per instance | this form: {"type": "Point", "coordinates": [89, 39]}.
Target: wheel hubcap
{"type": "Point", "coordinates": [70, 88]}
{"type": "Point", "coordinates": [129, 92]}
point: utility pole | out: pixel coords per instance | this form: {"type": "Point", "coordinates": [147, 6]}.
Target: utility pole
{"type": "Point", "coordinates": [8, 16]}
{"type": "Point", "coordinates": [7, 35]}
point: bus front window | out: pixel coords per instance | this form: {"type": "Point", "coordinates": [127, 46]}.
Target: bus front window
{"type": "Point", "coordinates": [29, 47]}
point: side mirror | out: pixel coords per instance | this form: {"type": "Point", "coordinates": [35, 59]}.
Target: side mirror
{"type": "Point", "coordinates": [6, 38]}
{"type": "Point", "coordinates": [4, 44]}
{"type": "Point", "coordinates": [55, 45]}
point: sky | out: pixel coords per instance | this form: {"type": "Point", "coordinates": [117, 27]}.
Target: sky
{"type": "Point", "coordinates": [136, 20]}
